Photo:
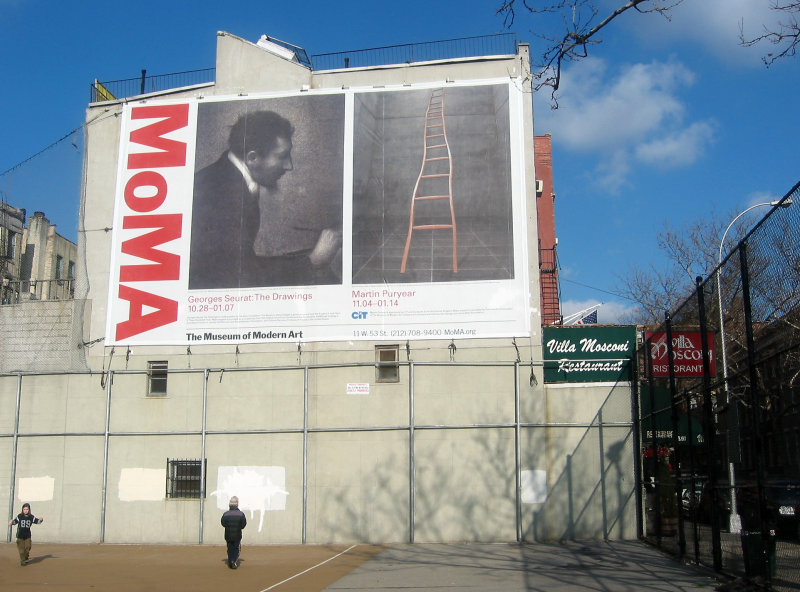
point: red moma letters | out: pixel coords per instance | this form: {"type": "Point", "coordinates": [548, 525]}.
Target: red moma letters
{"type": "Point", "coordinates": [145, 192]}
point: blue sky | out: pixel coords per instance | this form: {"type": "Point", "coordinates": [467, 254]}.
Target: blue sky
{"type": "Point", "coordinates": [665, 123]}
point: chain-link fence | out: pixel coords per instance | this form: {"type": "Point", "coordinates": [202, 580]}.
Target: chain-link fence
{"type": "Point", "coordinates": [719, 396]}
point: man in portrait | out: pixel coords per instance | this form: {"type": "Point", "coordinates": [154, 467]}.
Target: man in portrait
{"type": "Point", "coordinates": [242, 235]}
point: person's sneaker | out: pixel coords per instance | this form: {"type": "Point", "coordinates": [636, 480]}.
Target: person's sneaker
{"type": "Point", "coordinates": [236, 564]}
{"type": "Point", "coordinates": [230, 564]}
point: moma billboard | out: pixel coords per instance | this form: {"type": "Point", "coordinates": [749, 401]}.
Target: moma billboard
{"type": "Point", "coordinates": [322, 215]}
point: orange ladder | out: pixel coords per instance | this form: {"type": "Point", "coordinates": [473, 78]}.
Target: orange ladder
{"type": "Point", "coordinates": [437, 166]}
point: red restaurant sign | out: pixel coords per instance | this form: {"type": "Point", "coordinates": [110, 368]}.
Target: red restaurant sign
{"type": "Point", "coordinates": [687, 353]}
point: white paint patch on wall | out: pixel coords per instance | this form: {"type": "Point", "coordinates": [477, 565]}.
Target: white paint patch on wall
{"type": "Point", "coordinates": [35, 489]}
{"type": "Point", "coordinates": [258, 488]}
{"type": "Point", "coordinates": [533, 486]}
{"type": "Point", "coordinates": [142, 485]}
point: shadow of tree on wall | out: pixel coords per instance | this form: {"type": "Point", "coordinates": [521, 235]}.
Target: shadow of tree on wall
{"type": "Point", "coordinates": [463, 491]}
{"type": "Point", "coordinates": [593, 494]}
{"type": "Point", "coordinates": [465, 482]}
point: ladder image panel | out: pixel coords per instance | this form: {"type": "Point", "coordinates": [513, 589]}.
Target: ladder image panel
{"type": "Point", "coordinates": [435, 181]}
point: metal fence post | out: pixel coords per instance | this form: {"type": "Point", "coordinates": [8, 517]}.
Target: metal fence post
{"type": "Point", "coordinates": [755, 404]}
{"type": "Point", "coordinates": [710, 429]}
{"type": "Point", "coordinates": [653, 444]}
{"type": "Point", "coordinates": [675, 442]}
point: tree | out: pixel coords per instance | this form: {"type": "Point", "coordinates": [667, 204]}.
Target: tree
{"type": "Point", "coordinates": [785, 38]}
{"type": "Point", "coordinates": [689, 251]}
{"type": "Point", "coordinates": [581, 23]}
{"type": "Point", "coordinates": [580, 30]}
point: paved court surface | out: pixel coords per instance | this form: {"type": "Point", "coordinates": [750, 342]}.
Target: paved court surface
{"type": "Point", "coordinates": [612, 567]}
{"type": "Point", "coordinates": [608, 567]}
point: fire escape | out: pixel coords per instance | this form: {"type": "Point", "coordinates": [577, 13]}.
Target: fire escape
{"type": "Point", "coordinates": [548, 281]}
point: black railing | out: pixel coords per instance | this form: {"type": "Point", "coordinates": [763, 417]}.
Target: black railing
{"type": "Point", "coordinates": [128, 87]}
{"type": "Point", "coordinates": [17, 291]}
{"type": "Point", "coordinates": [464, 47]}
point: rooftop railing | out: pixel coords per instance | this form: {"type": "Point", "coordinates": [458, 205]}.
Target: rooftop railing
{"type": "Point", "coordinates": [463, 47]}
{"type": "Point", "coordinates": [18, 291]}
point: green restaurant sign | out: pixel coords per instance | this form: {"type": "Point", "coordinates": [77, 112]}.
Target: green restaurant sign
{"type": "Point", "coordinates": [589, 354]}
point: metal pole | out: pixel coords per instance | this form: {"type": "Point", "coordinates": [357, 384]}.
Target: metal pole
{"type": "Point", "coordinates": [104, 489]}
{"type": "Point", "coordinates": [710, 429]}
{"type": "Point", "coordinates": [675, 441]}
{"type": "Point", "coordinates": [735, 522]}
{"type": "Point", "coordinates": [601, 446]}
{"type": "Point", "coordinates": [13, 476]}
{"type": "Point", "coordinates": [691, 437]}
{"type": "Point", "coordinates": [755, 404]}
{"type": "Point", "coordinates": [653, 444]}
{"type": "Point", "coordinates": [203, 455]}
{"type": "Point", "coordinates": [517, 453]}
{"type": "Point", "coordinates": [637, 464]}
{"type": "Point", "coordinates": [305, 455]}
{"type": "Point", "coordinates": [411, 487]}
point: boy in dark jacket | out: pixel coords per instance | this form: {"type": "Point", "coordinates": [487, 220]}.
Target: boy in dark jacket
{"type": "Point", "coordinates": [234, 521]}
{"type": "Point", "coordinates": [25, 521]}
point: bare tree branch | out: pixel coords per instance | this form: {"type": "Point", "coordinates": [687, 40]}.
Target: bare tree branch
{"type": "Point", "coordinates": [689, 251]}
{"type": "Point", "coordinates": [580, 30]}
{"type": "Point", "coordinates": [580, 25]}
{"type": "Point", "coordinates": [785, 39]}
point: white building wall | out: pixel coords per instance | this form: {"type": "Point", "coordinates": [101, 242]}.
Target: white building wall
{"type": "Point", "coordinates": [433, 457]}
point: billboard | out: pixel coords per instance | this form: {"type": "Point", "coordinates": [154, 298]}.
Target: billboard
{"type": "Point", "coordinates": [371, 214]}
{"type": "Point", "coordinates": [588, 353]}
{"type": "Point", "coordinates": [687, 353]}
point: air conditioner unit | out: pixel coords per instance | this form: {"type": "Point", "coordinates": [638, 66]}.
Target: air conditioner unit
{"type": "Point", "coordinates": [539, 186]}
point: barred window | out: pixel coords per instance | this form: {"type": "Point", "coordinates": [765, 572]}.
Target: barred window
{"type": "Point", "coordinates": [387, 366]}
{"type": "Point", "coordinates": [186, 478]}
{"type": "Point", "coordinates": [157, 378]}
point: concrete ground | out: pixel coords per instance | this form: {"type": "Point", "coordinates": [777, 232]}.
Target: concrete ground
{"type": "Point", "coordinates": [610, 567]}
{"type": "Point", "coordinates": [574, 566]}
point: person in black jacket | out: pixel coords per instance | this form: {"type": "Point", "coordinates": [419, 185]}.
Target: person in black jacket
{"type": "Point", "coordinates": [234, 521]}
{"type": "Point", "coordinates": [25, 520]}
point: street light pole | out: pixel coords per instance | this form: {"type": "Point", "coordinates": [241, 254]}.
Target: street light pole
{"type": "Point", "coordinates": [735, 524]}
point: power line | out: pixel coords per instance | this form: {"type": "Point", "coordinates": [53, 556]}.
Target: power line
{"type": "Point", "coordinates": [97, 119]}
{"type": "Point", "coordinates": [598, 289]}
{"type": "Point", "coordinates": [43, 150]}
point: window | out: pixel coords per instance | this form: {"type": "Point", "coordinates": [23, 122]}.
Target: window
{"type": "Point", "coordinates": [186, 478]}
{"type": "Point", "coordinates": [6, 244]}
{"type": "Point", "coordinates": [157, 378]}
{"type": "Point", "coordinates": [59, 267]}
{"type": "Point", "coordinates": [387, 363]}
{"type": "Point", "coordinates": [71, 270]}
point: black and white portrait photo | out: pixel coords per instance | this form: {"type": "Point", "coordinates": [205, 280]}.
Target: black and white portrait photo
{"type": "Point", "coordinates": [267, 201]}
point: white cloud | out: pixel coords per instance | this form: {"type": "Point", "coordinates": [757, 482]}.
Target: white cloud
{"type": "Point", "coordinates": [630, 117]}
{"type": "Point", "coordinates": [599, 109]}
{"type": "Point", "coordinates": [676, 149]}
{"type": "Point", "coordinates": [713, 25]}
{"type": "Point", "coordinates": [608, 314]}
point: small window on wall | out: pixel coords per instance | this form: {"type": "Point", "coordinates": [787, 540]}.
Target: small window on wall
{"type": "Point", "coordinates": [186, 478]}
{"type": "Point", "coordinates": [6, 244]}
{"type": "Point", "coordinates": [387, 363]}
{"type": "Point", "coordinates": [59, 267]}
{"type": "Point", "coordinates": [157, 378]}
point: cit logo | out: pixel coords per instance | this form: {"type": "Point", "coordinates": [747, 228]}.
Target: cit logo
{"type": "Point", "coordinates": [359, 314]}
